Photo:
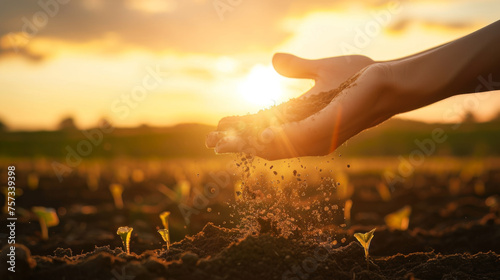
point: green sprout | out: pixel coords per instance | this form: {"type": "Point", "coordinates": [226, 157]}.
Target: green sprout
{"type": "Point", "coordinates": [365, 239]}
{"type": "Point", "coordinates": [164, 219]}
{"type": "Point", "coordinates": [125, 233]}
{"type": "Point", "coordinates": [47, 218]}
{"type": "Point", "coordinates": [117, 191]}
{"type": "Point", "coordinates": [166, 236]}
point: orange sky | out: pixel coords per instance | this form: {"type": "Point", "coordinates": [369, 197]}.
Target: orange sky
{"type": "Point", "coordinates": [169, 61]}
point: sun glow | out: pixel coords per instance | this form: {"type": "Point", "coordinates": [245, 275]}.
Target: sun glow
{"type": "Point", "coordinates": [262, 86]}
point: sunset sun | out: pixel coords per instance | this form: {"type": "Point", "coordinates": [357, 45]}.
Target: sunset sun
{"type": "Point", "coordinates": [262, 86]}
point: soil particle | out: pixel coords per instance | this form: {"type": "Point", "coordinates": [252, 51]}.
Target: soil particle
{"type": "Point", "coordinates": [292, 111]}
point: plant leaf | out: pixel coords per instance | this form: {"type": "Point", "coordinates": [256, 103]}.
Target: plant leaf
{"type": "Point", "coordinates": [164, 218]}
{"type": "Point", "coordinates": [365, 238]}
{"type": "Point", "coordinates": [49, 215]}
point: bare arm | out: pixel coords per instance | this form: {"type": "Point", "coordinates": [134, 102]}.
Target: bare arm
{"type": "Point", "coordinates": [383, 89]}
{"type": "Point", "coordinates": [461, 66]}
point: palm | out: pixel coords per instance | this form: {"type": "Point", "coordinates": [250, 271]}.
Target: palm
{"type": "Point", "coordinates": [309, 136]}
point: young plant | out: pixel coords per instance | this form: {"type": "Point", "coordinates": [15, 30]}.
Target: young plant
{"type": "Point", "coordinates": [400, 219]}
{"type": "Point", "coordinates": [164, 219]}
{"type": "Point", "coordinates": [47, 218]}
{"type": "Point", "coordinates": [117, 191]}
{"type": "Point", "coordinates": [125, 233]}
{"type": "Point", "coordinates": [365, 239]}
{"type": "Point", "coordinates": [165, 235]}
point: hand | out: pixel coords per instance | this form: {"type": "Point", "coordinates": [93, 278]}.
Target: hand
{"type": "Point", "coordinates": [313, 135]}
{"type": "Point", "coordinates": [381, 90]}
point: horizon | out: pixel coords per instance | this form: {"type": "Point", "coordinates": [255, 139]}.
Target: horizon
{"type": "Point", "coordinates": [170, 62]}
{"type": "Point", "coordinates": [57, 127]}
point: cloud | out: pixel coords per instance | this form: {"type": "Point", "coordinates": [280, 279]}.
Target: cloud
{"type": "Point", "coordinates": [152, 6]}
{"type": "Point", "coordinates": [189, 26]}
{"type": "Point", "coordinates": [220, 27]}
{"type": "Point", "coordinates": [13, 44]}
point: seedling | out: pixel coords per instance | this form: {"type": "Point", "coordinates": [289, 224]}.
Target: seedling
{"type": "Point", "coordinates": [164, 219]}
{"type": "Point", "coordinates": [164, 232]}
{"type": "Point", "coordinates": [166, 236]}
{"type": "Point", "coordinates": [365, 239]}
{"type": "Point", "coordinates": [47, 218]}
{"type": "Point", "coordinates": [399, 219]}
{"type": "Point", "coordinates": [125, 233]}
{"type": "Point", "coordinates": [117, 191]}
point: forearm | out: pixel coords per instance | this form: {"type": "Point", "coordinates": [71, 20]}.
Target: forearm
{"type": "Point", "coordinates": [458, 67]}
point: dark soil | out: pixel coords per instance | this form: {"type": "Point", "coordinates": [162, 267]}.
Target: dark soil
{"type": "Point", "coordinates": [450, 236]}
{"type": "Point", "coordinates": [218, 253]}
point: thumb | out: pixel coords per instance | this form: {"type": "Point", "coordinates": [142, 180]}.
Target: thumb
{"type": "Point", "coordinates": [230, 144]}
{"type": "Point", "coordinates": [292, 66]}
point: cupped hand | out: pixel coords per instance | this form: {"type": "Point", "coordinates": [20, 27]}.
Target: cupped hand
{"type": "Point", "coordinates": [356, 108]}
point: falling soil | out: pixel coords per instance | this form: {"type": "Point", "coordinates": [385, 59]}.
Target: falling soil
{"type": "Point", "coordinates": [283, 229]}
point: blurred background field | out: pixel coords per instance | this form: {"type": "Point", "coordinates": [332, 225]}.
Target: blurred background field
{"type": "Point", "coordinates": [393, 138]}
{"type": "Point", "coordinates": [163, 72]}
{"type": "Point", "coordinates": [169, 169]}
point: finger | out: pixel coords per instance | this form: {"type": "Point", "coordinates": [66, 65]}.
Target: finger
{"type": "Point", "coordinates": [234, 122]}
{"type": "Point", "coordinates": [293, 66]}
{"type": "Point", "coordinates": [230, 144]}
{"type": "Point", "coordinates": [212, 139]}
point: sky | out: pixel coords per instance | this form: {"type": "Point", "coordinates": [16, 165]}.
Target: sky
{"type": "Point", "coordinates": [163, 62]}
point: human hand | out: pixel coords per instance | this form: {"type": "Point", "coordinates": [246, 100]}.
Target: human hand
{"type": "Point", "coordinates": [354, 110]}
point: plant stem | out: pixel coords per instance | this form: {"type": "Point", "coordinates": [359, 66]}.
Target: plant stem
{"type": "Point", "coordinates": [45, 230]}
